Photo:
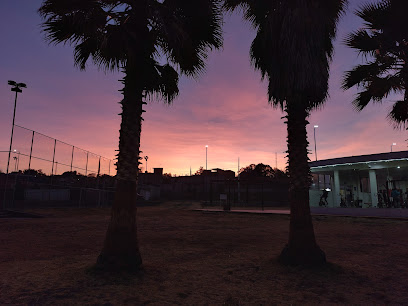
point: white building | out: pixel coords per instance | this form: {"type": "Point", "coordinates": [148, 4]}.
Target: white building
{"type": "Point", "coordinates": [361, 181]}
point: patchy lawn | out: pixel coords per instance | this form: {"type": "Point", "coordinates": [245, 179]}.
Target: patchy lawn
{"type": "Point", "coordinates": [198, 258]}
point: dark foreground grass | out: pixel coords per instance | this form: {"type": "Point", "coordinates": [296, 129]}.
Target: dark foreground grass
{"type": "Point", "coordinates": [196, 258]}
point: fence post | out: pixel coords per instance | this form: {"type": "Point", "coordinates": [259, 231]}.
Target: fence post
{"type": "Point", "coordinates": [99, 172]}
{"type": "Point", "coordinates": [86, 167]}
{"type": "Point", "coordinates": [53, 157]}
{"type": "Point", "coordinates": [210, 193]}
{"type": "Point", "coordinates": [31, 152]}
{"type": "Point", "coordinates": [239, 191]}
{"type": "Point", "coordinates": [80, 196]}
{"type": "Point", "coordinates": [109, 168]}
{"type": "Point", "coordinates": [229, 196]}
{"type": "Point", "coordinates": [72, 156]}
{"type": "Point", "coordinates": [247, 193]}
{"type": "Point", "coordinates": [99, 166]}
{"type": "Point", "coordinates": [14, 190]}
{"type": "Point", "coordinates": [262, 195]}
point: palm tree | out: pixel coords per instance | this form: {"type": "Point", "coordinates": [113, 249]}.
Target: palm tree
{"type": "Point", "coordinates": [151, 41]}
{"type": "Point", "coordinates": [292, 50]}
{"type": "Point", "coordinates": [383, 43]}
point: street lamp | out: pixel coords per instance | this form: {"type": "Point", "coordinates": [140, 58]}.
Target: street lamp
{"type": "Point", "coordinates": [16, 87]}
{"type": "Point", "coordinates": [206, 149]}
{"type": "Point", "coordinates": [393, 144]}
{"type": "Point", "coordinates": [146, 158]}
{"type": "Point", "coordinates": [314, 133]}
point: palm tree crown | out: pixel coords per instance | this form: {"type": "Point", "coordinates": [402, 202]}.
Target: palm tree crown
{"type": "Point", "coordinates": [293, 46]}
{"type": "Point", "coordinates": [383, 43]}
{"type": "Point", "coordinates": [150, 34]}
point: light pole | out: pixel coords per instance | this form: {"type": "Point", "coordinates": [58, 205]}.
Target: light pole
{"type": "Point", "coordinates": [206, 149]}
{"type": "Point", "coordinates": [314, 133]}
{"type": "Point", "coordinates": [393, 144]}
{"type": "Point", "coordinates": [17, 159]}
{"type": "Point", "coordinates": [146, 158]}
{"type": "Point", "coordinates": [15, 163]}
{"type": "Point", "coordinates": [17, 88]}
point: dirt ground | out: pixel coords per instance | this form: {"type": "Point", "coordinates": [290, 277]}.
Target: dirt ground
{"type": "Point", "coordinates": [198, 258]}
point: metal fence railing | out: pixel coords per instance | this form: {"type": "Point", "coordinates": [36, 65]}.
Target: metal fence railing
{"type": "Point", "coordinates": [44, 171]}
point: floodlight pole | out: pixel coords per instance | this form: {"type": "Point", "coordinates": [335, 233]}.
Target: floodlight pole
{"type": "Point", "coordinates": [314, 133]}
{"type": "Point", "coordinates": [12, 132]}
{"type": "Point", "coordinates": [206, 149]}
{"type": "Point", "coordinates": [17, 89]}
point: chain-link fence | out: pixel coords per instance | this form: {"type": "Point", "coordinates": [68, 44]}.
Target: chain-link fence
{"type": "Point", "coordinates": [46, 171]}
{"type": "Point", "coordinates": [232, 193]}
{"type": "Point", "coordinates": [33, 150]}
{"type": "Point", "coordinates": [247, 194]}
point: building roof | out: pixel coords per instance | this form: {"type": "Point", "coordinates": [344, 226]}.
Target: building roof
{"type": "Point", "coordinates": [401, 155]}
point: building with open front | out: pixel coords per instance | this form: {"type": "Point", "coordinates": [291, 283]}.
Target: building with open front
{"type": "Point", "coordinates": [375, 180]}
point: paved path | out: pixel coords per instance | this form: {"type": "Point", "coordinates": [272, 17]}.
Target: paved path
{"type": "Point", "coordinates": [362, 212]}
{"type": "Point", "coordinates": [350, 212]}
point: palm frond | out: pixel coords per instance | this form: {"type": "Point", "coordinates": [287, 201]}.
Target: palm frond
{"type": "Point", "coordinates": [52, 8]}
{"type": "Point", "coordinates": [399, 114]}
{"type": "Point", "coordinates": [188, 30]}
{"type": "Point", "coordinates": [385, 43]}
{"type": "Point", "coordinates": [362, 73]}
{"type": "Point", "coordinates": [84, 50]}
{"type": "Point", "coordinates": [362, 41]}
{"type": "Point", "coordinates": [377, 89]}
{"type": "Point", "coordinates": [374, 14]}
{"type": "Point", "coordinates": [163, 84]}
{"type": "Point", "coordinates": [362, 100]}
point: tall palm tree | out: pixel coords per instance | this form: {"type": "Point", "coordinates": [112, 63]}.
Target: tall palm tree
{"type": "Point", "coordinates": [292, 50]}
{"type": "Point", "coordinates": [383, 43]}
{"type": "Point", "coordinates": [151, 41]}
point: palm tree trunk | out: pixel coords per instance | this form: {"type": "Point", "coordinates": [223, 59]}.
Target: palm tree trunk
{"type": "Point", "coordinates": [121, 249]}
{"type": "Point", "coordinates": [302, 248]}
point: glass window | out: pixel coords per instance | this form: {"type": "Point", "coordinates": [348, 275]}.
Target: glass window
{"type": "Point", "coordinates": [327, 181]}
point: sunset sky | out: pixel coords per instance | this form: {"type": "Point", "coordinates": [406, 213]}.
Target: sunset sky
{"type": "Point", "coordinates": [226, 108]}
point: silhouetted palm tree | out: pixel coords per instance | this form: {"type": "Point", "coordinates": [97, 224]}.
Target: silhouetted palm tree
{"type": "Point", "coordinates": [383, 43]}
{"type": "Point", "coordinates": [150, 41]}
{"type": "Point", "coordinates": [292, 49]}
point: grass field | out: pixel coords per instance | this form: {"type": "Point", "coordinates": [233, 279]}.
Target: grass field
{"type": "Point", "coordinates": [198, 258]}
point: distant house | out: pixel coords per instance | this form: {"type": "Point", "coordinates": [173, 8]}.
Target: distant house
{"type": "Point", "coordinates": [361, 181]}
{"type": "Point", "coordinates": [218, 173]}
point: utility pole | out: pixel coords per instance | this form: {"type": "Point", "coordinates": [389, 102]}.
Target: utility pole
{"type": "Point", "coordinates": [276, 160]}
{"type": "Point", "coordinates": [239, 187]}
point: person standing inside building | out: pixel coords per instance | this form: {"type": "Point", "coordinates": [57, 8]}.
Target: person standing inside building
{"type": "Point", "coordinates": [395, 197]}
